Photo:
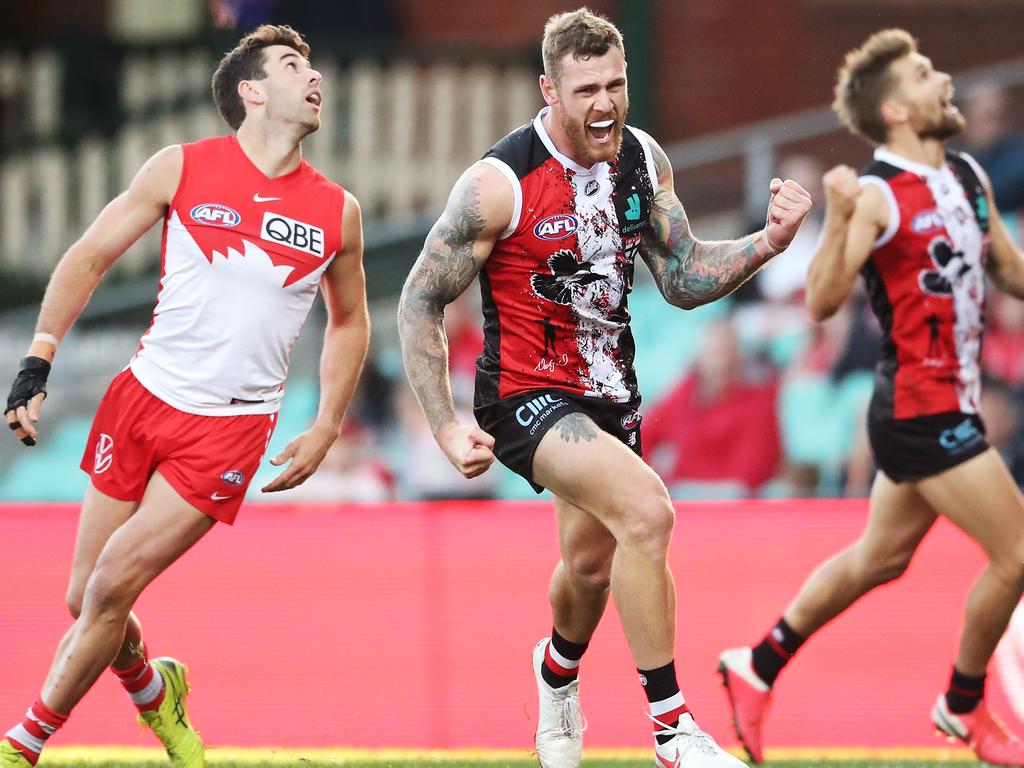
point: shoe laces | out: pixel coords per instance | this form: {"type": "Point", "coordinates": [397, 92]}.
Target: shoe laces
{"type": "Point", "coordinates": [571, 720]}
{"type": "Point", "coordinates": [695, 737]}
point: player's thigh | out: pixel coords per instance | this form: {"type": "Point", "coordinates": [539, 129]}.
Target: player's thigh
{"type": "Point", "coordinates": [586, 544]}
{"type": "Point", "coordinates": [163, 528]}
{"type": "Point", "coordinates": [897, 522]}
{"type": "Point", "coordinates": [101, 515]}
{"type": "Point", "coordinates": [981, 498]}
{"type": "Point", "coordinates": [590, 469]}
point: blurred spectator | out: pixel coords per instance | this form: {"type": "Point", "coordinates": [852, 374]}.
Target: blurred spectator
{"type": "Point", "coordinates": [719, 423]}
{"type": "Point", "coordinates": [998, 149]}
{"type": "Point", "coordinates": [422, 470]}
{"type": "Point", "coordinates": [465, 342]}
{"type": "Point", "coordinates": [1003, 352]}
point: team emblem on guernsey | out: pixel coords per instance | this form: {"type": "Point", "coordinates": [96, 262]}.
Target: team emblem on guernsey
{"type": "Point", "coordinates": [568, 276]}
{"type": "Point", "coordinates": [216, 214]}
{"type": "Point", "coordinates": [556, 227]}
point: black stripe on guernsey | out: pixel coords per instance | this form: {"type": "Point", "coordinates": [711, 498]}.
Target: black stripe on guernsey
{"type": "Point", "coordinates": [522, 150]}
{"type": "Point", "coordinates": [883, 402]}
{"type": "Point", "coordinates": [882, 170]}
{"type": "Point", "coordinates": [487, 365]}
{"type": "Point", "coordinates": [972, 186]}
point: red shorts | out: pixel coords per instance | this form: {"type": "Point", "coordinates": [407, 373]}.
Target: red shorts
{"type": "Point", "coordinates": [208, 460]}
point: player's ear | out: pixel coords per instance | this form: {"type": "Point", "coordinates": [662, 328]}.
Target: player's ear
{"type": "Point", "coordinates": [893, 112]}
{"type": "Point", "coordinates": [251, 91]}
{"type": "Point", "coordinates": [548, 90]}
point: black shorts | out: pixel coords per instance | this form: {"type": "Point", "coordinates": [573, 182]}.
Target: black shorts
{"type": "Point", "coordinates": [518, 423]}
{"type": "Point", "coordinates": [907, 450]}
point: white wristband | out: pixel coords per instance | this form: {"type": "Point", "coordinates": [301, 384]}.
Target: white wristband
{"type": "Point", "coordinates": [49, 338]}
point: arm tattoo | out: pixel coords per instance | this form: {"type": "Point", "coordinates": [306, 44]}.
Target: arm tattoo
{"type": "Point", "coordinates": [445, 268]}
{"type": "Point", "coordinates": [576, 427]}
{"type": "Point", "coordinates": [690, 272]}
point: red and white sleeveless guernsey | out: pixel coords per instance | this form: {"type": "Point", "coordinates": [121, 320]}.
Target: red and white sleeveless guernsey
{"type": "Point", "coordinates": [556, 283]}
{"type": "Point", "coordinates": [242, 257]}
{"type": "Point", "coordinates": [926, 281]}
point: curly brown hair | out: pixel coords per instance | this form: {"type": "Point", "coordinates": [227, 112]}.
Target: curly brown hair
{"type": "Point", "coordinates": [865, 80]}
{"type": "Point", "coordinates": [245, 62]}
{"type": "Point", "coordinates": [581, 33]}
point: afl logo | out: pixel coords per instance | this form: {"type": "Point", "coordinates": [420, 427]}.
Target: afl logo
{"type": "Point", "coordinates": [216, 214]}
{"type": "Point", "coordinates": [927, 222]}
{"type": "Point", "coordinates": [556, 227]}
{"type": "Point", "coordinates": [233, 477]}
{"type": "Point", "coordinates": [631, 420]}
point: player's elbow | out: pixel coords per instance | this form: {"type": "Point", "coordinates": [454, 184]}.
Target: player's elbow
{"type": "Point", "coordinates": [820, 307]}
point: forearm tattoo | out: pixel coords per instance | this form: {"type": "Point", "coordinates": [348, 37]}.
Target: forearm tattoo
{"type": "Point", "coordinates": [690, 272]}
{"type": "Point", "coordinates": [444, 269]}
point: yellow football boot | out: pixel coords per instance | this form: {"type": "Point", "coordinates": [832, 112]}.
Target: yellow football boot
{"type": "Point", "coordinates": [11, 757]}
{"type": "Point", "coordinates": [170, 721]}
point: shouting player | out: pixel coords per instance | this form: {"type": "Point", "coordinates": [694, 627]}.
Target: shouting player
{"type": "Point", "coordinates": [552, 219]}
{"type": "Point", "coordinates": [250, 231]}
{"type": "Point", "coordinates": [922, 228]}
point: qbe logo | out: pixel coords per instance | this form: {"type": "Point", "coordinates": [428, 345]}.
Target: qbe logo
{"type": "Point", "coordinates": [294, 234]}
{"type": "Point", "coordinates": [104, 454]}
{"type": "Point", "coordinates": [216, 214]}
{"type": "Point", "coordinates": [557, 227]}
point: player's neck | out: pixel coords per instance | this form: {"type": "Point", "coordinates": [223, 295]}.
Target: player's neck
{"type": "Point", "coordinates": [926, 151]}
{"type": "Point", "coordinates": [560, 139]}
{"type": "Point", "coordinates": [274, 153]}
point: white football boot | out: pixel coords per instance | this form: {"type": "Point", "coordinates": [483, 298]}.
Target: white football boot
{"type": "Point", "coordinates": [560, 723]}
{"type": "Point", "coordinates": [690, 747]}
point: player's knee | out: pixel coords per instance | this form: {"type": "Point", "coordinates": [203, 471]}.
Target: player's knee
{"type": "Point", "coordinates": [590, 572]}
{"type": "Point", "coordinates": [1008, 565]}
{"type": "Point", "coordinates": [108, 592]}
{"type": "Point", "coordinates": [876, 570]}
{"type": "Point", "coordinates": [648, 522]}
{"type": "Point", "coordinates": [73, 599]}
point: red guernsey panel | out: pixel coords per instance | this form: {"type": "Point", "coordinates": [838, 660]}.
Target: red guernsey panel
{"type": "Point", "coordinates": [411, 625]}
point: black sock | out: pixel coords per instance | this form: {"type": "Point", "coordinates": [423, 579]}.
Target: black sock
{"type": "Point", "coordinates": [662, 691]}
{"type": "Point", "coordinates": [555, 674]}
{"type": "Point", "coordinates": [964, 692]}
{"type": "Point", "coordinates": [775, 651]}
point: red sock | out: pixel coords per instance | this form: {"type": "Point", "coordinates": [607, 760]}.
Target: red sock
{"type": "Point", "coordinates": [29, 736]}
{"type": "Point", "coordinates": [144, 684]}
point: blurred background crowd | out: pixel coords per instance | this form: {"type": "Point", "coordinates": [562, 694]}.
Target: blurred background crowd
{"type": "Point", "coordinates": [744, 398]}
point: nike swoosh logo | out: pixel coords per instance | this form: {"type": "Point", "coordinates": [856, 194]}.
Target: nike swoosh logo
{"type": "Point", "coordinates": [217, 497]}
{"type": "Point", "coordinates": [258, 198]}
{"type": "Point", "coordinates": [666, 763]}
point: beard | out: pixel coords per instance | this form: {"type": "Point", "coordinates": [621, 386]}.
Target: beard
{"type": "Point", "coordinates": [579, 138]}
{"type": "Point", "coordinates": [945, 128]}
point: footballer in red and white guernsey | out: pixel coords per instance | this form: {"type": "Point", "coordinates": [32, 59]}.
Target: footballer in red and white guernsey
{"type": "Point", "coordinates": [551, 220]}
{"type": "Point", "coordinates": [251, 232]}
{"type": "Point", "coordinates": [920, 225]}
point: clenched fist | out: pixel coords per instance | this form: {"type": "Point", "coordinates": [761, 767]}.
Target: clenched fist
{"type": "Point", "coordinates": [787, 207]}
{"type": "Point", "coordinates": [842, 188]}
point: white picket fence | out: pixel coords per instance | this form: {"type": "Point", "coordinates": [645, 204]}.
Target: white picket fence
{"type": "Point", "coordinates": [396, 134]}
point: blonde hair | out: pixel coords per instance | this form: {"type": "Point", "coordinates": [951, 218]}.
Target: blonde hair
{"type": "Point", "coordinates": [581, 33]}
{"type": "Point", "coordinates": [865, 80]}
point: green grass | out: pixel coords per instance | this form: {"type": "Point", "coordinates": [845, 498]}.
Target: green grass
{"type": "Point", "coordinates": [119, 757]}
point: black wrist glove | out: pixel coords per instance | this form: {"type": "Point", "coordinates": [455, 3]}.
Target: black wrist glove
{"type": "Point", "coordinates": [30, 381]}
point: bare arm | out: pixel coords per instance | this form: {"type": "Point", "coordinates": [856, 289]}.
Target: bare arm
{"type": "Point", "coordinates": [691, 272]}
{"type": "Point", "coordinates": [346, 340]}
{"type": "Point", "coordinates": [855, 216]}
{"type": "Point", "coordinates": [478, 210]}
{"type": "Point", "coordinates": [1005, 266]}
{"type": "Point", "coordinates": [123, 221]}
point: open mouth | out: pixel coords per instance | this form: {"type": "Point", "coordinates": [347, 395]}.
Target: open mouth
{"type": "Point", "coordinates": [947, 104]}
{"type": "Point", "coordinates": [314, 98]}
{"type": "Point", "coordinates": [601, 130]}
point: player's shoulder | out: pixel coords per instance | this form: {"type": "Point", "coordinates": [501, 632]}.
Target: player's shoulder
{"type": "Point", "coordinates": [522, 150]}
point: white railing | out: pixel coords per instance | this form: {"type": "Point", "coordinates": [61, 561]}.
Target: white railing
{"type": "Point", "coordinates": [397, 135]}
